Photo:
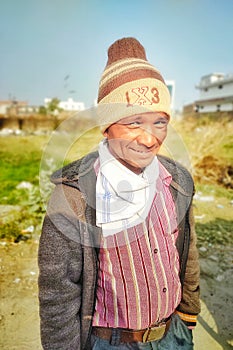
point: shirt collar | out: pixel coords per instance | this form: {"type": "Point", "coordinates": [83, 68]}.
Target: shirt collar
{"type": "Point", "coordinates": [164, 175]}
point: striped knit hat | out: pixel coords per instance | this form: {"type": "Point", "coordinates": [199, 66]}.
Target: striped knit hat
{"type": "Point", "coordinates": [130, 84]}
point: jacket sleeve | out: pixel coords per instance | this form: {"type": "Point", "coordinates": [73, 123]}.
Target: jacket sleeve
{"type": "Point", "coordinates": [60, 266]}
{"type": "Point", "coordinates": [189, 307]}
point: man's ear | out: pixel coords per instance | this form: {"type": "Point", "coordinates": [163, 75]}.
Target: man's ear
{"type": "Point", "coordinates": [106, 133]}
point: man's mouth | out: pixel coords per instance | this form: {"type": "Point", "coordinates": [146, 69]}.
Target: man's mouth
{"type": "Point", "coordinates": [141, 151]}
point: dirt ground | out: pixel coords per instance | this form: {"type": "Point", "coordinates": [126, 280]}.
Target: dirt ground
{"type": "Point", "coordinates": [19, 303]}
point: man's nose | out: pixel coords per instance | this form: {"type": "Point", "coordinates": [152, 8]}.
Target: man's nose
{"type": "Point", "coordinates": [147, 137]}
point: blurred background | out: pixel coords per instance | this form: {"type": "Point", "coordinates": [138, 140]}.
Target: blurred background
{"type": "Point", "coordinates": [51, 59]}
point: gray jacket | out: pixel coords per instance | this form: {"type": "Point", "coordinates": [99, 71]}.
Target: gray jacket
{"type": "Point", "coordinates": [68, 253]}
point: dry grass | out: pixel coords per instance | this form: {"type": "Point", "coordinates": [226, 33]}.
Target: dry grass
{"type": "Point", "coordinates": [210, 147]}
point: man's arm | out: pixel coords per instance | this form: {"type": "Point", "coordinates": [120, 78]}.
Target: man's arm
{"type": "Point", "coordinates": [60, 266]}
{"type": "Point", "coordinates": [189, 307]}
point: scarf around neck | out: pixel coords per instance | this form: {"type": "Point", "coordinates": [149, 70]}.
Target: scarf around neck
{"type": "Point", "coordinates": [123, 198]}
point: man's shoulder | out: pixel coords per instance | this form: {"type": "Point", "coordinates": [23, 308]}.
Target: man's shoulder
{"type": "Point", "coordinates": [73, 171]}
{"type": "Point", "coordinates": [181, 178]}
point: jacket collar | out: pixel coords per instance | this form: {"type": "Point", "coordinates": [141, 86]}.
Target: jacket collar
{"type": "Point", "coordinates": [80, 174]}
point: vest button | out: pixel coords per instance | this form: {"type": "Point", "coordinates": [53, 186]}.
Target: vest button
{"type": "Point", "coordinates": [164, 289]}
{"type": "Point", "coordinates": [155, 250]}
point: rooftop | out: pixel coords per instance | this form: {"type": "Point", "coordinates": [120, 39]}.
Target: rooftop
{"type": "Point", "coordinates": [214, 79]}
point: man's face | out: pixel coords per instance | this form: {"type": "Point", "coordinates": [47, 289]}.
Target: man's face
{"type": "Point", "coordinates": [135, 140]}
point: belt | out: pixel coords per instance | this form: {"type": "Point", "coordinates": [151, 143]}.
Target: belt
{"type": "Point", "coordinates": [155, 332]}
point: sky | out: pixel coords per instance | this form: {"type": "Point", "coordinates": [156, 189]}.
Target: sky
{"type": "Point", "coordinates": [58, 48]}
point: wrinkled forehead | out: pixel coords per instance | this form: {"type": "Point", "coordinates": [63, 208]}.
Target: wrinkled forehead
{"type": "Point", "coordinates": [144, 117]}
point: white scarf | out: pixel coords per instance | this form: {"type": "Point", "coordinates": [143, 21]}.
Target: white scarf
{"type": "Point", "coordinates": [123, 198]}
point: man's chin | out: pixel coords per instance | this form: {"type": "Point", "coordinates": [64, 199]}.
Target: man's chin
{"type": "Point", "coordinates": [143, 162]}
{"type": "Point", "coordinates": [139, 166]}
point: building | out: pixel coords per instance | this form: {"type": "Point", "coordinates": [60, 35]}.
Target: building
{"type": "Point", "coordinates": [70, 105]}
{"type": "Point", "coordinates": [171, 87]}
{"type": "Point", "coordinates": [11, 106]}
{"type": "Point", "coordinates": [215, 93]}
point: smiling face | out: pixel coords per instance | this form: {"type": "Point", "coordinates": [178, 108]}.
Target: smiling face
{"type": "Point", "coordinates": [135, 140]}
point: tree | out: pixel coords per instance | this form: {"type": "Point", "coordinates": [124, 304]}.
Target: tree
{"type": "Point", "coordinates": [42, 110]}
{"type": "Point", "coordinates": [53, 106]}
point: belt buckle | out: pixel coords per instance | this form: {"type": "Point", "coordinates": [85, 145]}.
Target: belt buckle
{"type": "Point", "coordinates": [154, 333]}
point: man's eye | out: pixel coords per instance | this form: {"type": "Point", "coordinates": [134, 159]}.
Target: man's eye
{"type": "Point", "coordinates": [161, 123]}
{"type": "Point", "coordinates": [133, 125]}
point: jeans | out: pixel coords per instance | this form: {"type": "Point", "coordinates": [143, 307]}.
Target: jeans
{"type": "Point", "coordinates": [178, 337]}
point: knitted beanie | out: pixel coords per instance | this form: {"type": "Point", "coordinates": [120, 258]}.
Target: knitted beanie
{"type": "Point", "coordinates": [130, 85]}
